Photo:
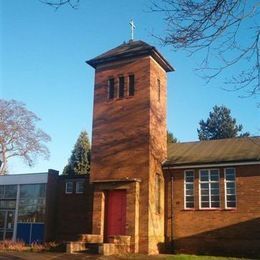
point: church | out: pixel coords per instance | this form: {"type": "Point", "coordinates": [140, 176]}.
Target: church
{"type": "Point", "coordinates": [144, 195]}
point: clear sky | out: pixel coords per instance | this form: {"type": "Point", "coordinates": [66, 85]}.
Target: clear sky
{"type": "Point", "coordinates": [42, 63]}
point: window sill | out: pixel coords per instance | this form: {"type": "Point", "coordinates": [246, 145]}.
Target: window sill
{"type": "Point", "coordinates": [118, 99]}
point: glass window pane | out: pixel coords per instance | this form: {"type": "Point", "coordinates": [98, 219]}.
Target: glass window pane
{"type": "Point", "coordinates": [190, 198]}
{"type": "Point", "coordinates": [231, 204]}
{"type": "Point", "coordinates": [215, 204]}
{"type": "Point", "coordinates": [230, 176]}
{"type": "Point", "coordinates": [230, 170]}
{"type": "Point", "coordinates": [205, 204]}
{"type": "Point", "coordinates": [189, 204]}
{"type": "Point", "coordinates": [204, 192]}
{"type": "Point", "coordinates": [230, 191]}
{"type": "Point", "coordinates": [1, 191]}
{"type": "Point", "coordinates": [32, 191]}
{"type": "Point", "coordinates": [214, 198]}
{"type": "Point", "coordinates": [214, 171]}
{"type": "Point", "coordinates": [10, 191]}
{"type": "Point", "coordinates": [230, 185]}
{"type": "Point", "coordinates": [204, 175]}
{"type": "Point", "coordinates": [69, 187]}
{"type": "Point", "coordinates": [215, 191]}
{"type": "Point", "coordinates": [204, 198]}
{"type": "Point", "coordinates": [189, 192]}
{"type": "Point", "coordinates": [204, 186]}
{"type": "Point", "coordinates": [189, 179]}
{"type": "Point", "coordinates": [215, 185]}
{"type": "Point", "coordinates": [189, 186]}
{"type": "Point", "coordinates": [231, 198]}
{"type": "Point", "coordinates": [214, 176]}
{"type": "Point", "coordinates": [79, 187]}
{"type": "Point", "coordinates": [2, 219]}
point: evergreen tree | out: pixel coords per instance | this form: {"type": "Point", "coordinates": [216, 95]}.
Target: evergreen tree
{"type": "Point", "coordinates": [220, 125]}
{"type": "Point", "coordinates": [171, 138]}
{"type": "Point", "coordinates": [79, 162]}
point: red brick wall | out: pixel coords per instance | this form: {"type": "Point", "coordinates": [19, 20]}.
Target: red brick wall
{"type": "Point", "coordinates": [74, 211]}
{"type": "Point", "coordinates": [129, 138]}
{"type": "Point", "coordinates": [51, 205]}
{"type": "Point", "coordinates": [221, 231]}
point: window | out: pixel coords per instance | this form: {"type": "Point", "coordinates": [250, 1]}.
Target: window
{"type": "Point", "coordinates": [209, 188]}
{"type": "Point", "coordinates": [131, 85]}
{"type": "Point", "coordinates": [8, 191]}
{"type": "Point", "coordinates": [79, 187]}
{"type": "Point", "coordinates": [69, 187]}
{"type": "Point", "coordinates": [111, 88]}
{"type": "Point", "coordinates": [157, 193]}
{"type": "Point", "coordinates": [159, 89]}
{"type": "Point", "coordinates": [32, 203]}
{"type": "Point", "coordinates": [121, 87]}
{"type": "Point", "coordinates": [189, 189]}
{"type": "Point", "coordinates": [230, 188]}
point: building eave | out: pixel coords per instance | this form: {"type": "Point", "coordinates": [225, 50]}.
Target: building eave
{"type": "Point", "coordinates": [169, 165]}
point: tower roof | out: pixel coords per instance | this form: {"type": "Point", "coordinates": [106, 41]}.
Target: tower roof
{"type": "Point", "coordinates": [131, 49]}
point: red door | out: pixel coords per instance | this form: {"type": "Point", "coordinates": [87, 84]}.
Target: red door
{"type": "Point", "coordinates": [115, 213]}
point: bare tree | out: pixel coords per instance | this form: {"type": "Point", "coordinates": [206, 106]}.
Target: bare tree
{"type": "Point", "coordinates": [226, 31]}
{"type": "Point", "coordinates": [58, 3]}
{"type": "Point", "coordinates": [19, 136]}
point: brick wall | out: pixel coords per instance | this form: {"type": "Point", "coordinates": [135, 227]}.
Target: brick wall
{"type": "Point", "coordinates": [74, 211]}
{"type": "Point", "coordinates": [220, 231]}
{"type": "Point", "coordinates": [51, 205]}
{"type": "Point", "coordinates": [129, 139]}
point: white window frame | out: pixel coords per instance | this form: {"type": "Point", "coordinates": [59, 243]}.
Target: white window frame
{"type": "Point", "coordinates": [66, 187]}
{"type": "Point", "coordinates": [225, 187]}
{"type": "Point", "coordinates": [77, 187]}
{"type": "Point", "coordinates": [200, 201]}
{"type": "Point", "coordinates": [185, 172]}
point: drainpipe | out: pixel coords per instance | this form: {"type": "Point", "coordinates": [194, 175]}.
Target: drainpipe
{"type": "Point", "coordinates": [172, 231]}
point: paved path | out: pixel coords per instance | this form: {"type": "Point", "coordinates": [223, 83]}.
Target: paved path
{"type": "Point", "coordinates": [64, 256]}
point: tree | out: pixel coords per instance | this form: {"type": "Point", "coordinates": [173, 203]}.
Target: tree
{"type": "Point", "coordinates": [225, 32]}
{"type": "Point", "coordinates": [19, 136]}
{"type": "Point", "coordinates": [79, 162]}
{"type": "Point", "coordinates": [58, 3]}
{"type": "Point", "coordinates": [171, 138]}
{"type": "Point", "coordinates": [219, 125]}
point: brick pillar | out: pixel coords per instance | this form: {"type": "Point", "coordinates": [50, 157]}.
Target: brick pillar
{"type": "Point", "coordinates": [98, 213]}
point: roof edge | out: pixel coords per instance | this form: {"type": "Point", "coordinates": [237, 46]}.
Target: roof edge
{"type": "Point", "coordinates": [169, 165]}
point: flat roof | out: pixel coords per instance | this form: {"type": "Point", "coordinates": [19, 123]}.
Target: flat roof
{"type": "Point", "coordinates": [28, 178]}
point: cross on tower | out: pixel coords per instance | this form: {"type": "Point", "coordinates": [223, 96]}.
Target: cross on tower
{"type": "Point", "coordinates": [132, 29]}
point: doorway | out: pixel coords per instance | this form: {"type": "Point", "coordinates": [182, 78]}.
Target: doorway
{"type": "Point", "coordinates": [6, 224]}
{"type": "Point", "coordinates": [115, 221]}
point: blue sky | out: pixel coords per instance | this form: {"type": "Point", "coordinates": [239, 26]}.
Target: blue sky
{"type": "Point", "coordinates": [42, 63]}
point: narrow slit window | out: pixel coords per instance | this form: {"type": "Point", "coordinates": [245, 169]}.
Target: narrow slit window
{"type": "Point", "coordinates": [189, 189]}
{"type": "Point", "coordinates": [121, 87]}
{"type": "Point", "coordinates": [230, 188]}
{"type": "Point", "coordinates": [111, 88]}
{"type": "Point", "coordinates": [159, 89]}
{"type": "Point", "coordinates": [157, 194]}
{"type": "Point", "coordinates": [131, 85]}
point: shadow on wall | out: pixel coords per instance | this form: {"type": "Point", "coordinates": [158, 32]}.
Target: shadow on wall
{"type": "Point", "coordinates": [240, 240]}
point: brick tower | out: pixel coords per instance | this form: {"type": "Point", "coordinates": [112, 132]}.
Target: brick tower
{"type": "Point", "coordinates": [129, 144]}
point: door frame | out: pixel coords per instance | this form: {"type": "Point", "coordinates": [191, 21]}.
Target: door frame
{"type": "Point", "coordinates": [106, 210]}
